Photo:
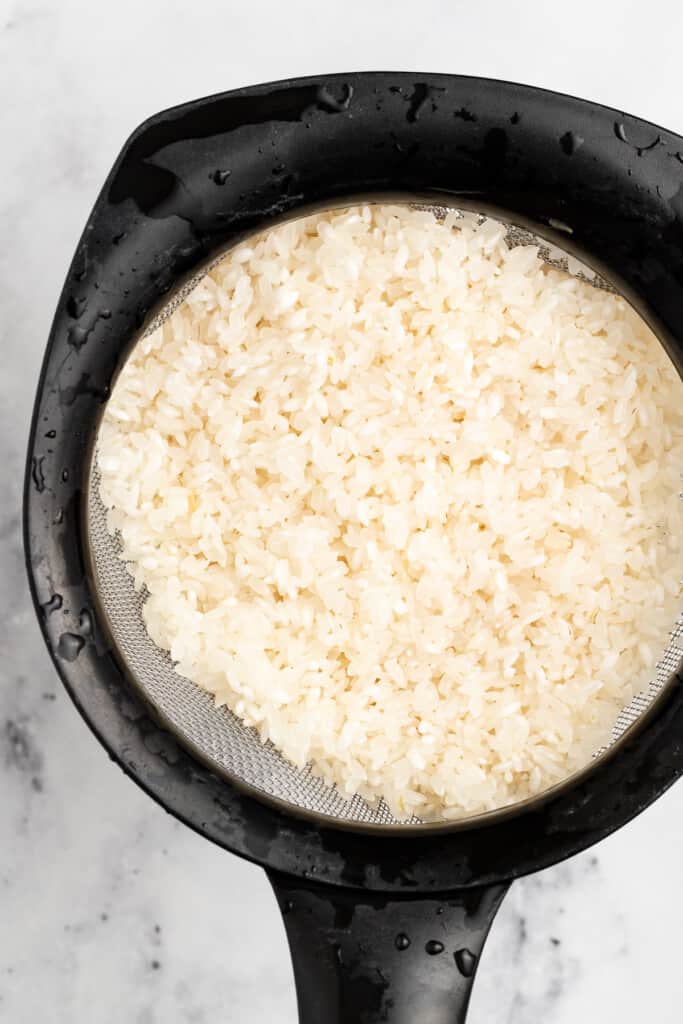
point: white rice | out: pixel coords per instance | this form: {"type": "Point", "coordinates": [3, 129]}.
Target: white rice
{"type": "Point", "coordinates": [406, 500]}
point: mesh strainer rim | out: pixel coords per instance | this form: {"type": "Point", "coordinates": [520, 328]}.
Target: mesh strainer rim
{"type": "Point", "coordinates": [394, 827]}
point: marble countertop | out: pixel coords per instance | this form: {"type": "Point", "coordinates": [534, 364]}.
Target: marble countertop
{"type": "Point", "coordinates": [110, 911]}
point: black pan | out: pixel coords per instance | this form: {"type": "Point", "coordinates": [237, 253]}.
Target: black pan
{"type": "Point", "coordinates": [383, 924]}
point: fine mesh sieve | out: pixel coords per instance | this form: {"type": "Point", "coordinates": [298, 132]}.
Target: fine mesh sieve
{"type": "Point", "coordinates": [215, 733]}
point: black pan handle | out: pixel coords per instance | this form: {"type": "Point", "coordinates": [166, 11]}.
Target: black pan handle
{"type": "Point", "coordinates": [364, 957]}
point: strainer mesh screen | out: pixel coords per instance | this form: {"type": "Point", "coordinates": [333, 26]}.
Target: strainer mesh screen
{"type": "Point", "coordinates": [216, 732]}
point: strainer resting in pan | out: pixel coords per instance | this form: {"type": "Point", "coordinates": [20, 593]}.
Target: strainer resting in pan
{"type": "Point", "coordinates": [359, 900]}
{"type": "Point", "coordinates": [214, 732]}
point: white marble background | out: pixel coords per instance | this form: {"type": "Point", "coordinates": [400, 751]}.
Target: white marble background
{"type": "Point", "coordinates": [110, 911]}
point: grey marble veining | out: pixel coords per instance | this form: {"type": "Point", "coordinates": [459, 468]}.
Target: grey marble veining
{"type": "Point", "coordinates": [110, 911]}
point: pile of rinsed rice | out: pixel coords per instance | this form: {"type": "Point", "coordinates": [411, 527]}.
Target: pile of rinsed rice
{"type": "Point", "coordinates": [405, 499]}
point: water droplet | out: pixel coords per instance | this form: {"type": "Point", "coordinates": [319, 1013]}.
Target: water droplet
{"type": "Point", "coordinates": [278, 169]}
{"type": "Point", "coordinates": [644, 149]}
{"type": "Point", "coordinates": [78, 336]}
{"type": "Point", "coordinates": [515, 119]}
{"type": "Point", "coordinates": [117, 239]}
{"type": "Point", "coordinates": [466, 962]}
{"type": "Point", "coordinates": [416, 101]}
{"type": "Point", "coordinates": [560, 225]}
{"type": "Point", "coordinates": [338, 953]}
{"type": "Point", "coordinates": [65, 476]}
{"type": "Point", "coordinates": [37, 473]}
{"type": "Point", "coordinates": [287, 907]}
{"type": "Point", "coordinates": [84, 386]}
{"type": "Point", "coordinates": [464, 114]}
{"type": "Point", "coordinates": [50, 433]}
{"type": "Point", "coordinates": [570, 142]}
{"type": "Point", "coordinates": [70, 646]}
{"type": "Point", "coordinates": [104, 314]}
{"type": "Point", "coordinates": [75, 306]}
{"type": "Point", "coordinates": [620, 132]}
{"type": "Point", "coordinates": [59, 517]}
{"type": "Point", "coordinates": [401, 941]}
{"type": "Point", "coordinates": [53, 605]}
{"type": "Point", "coordinates": [330, 104]}
{"type": "Point", "coordinates": [439, 911]}
{"type": "Point", "coordinates": [434, 947]}
{"type": "Point", "coordinates": [85, 622]}
{"type": "Point", "coordinates": [219, 176]}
